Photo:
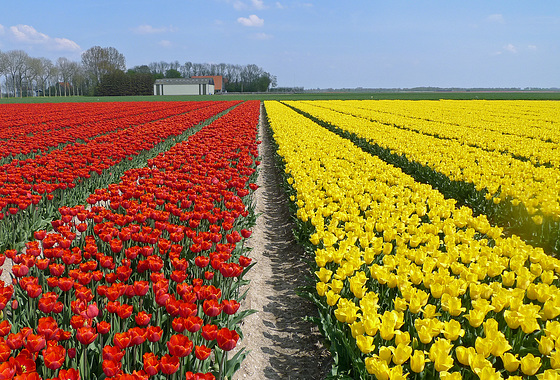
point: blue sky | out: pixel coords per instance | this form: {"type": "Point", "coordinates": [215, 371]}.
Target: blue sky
{"type": "Point", "coordinates": [314, 44]}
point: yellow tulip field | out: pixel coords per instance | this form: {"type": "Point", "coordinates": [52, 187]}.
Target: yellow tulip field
{"type": "Point", "coordinates": [432, 229]}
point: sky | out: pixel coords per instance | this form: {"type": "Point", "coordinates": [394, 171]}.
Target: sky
{"type": "Point", "coordinates": [309, 43]}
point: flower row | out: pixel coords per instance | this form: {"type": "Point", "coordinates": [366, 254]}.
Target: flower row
{"type": "Point", "coordinates": [407, 283]}
{"type": "Point", "coordinates": [144, 280]}
{"type": "Point", "coordinates": [28, 181]}
{"type": "Point", "coordinates": [517, 194]}
{"type": "Point", "coordinates": [38, 128]}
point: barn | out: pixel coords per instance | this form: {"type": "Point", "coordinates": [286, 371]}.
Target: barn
{"type": "Point", "coordinates": [218, 80]}
{"type": "Point", "coordinates": [184, 86]}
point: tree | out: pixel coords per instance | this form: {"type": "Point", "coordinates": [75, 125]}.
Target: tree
{"type": "Point", "coordinates": [98, 61]}
{"type": "Point", "coordinates": [3, 70]}
{"type": "Point", "coordinates": [172, 73]}
{"type": "Point", "coordinates": [33, 73]}
{"type": "Point", "coordinates": [46, 74]}
{"type": "Point", "coordinates": [15, 67]}
{"type": "Point", "coordinates": [65, 70]}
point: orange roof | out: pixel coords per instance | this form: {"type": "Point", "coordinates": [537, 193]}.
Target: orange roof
{"type": "Point", "coordinates": [217, 80]}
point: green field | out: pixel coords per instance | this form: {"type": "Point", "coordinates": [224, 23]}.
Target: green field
{"type": "Point", "coordinates": [523, 95]}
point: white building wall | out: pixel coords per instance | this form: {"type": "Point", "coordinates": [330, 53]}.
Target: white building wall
{"type": "Point", "coordinates": [183, 89]}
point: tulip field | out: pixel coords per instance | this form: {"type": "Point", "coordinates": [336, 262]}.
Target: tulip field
{"type": "Point", "coordinates": [431, 228]}
{"type": "Point", "coordinates": [124, 223]}
{"type": "Point", "coordinates": [410, 212]}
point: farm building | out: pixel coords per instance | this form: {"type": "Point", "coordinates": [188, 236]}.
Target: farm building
{"type": "Point", "coordinates": [184, 86]}
{"type": "Point", "coordinates": [218, 80]}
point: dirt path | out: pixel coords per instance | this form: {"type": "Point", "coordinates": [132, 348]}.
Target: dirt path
{"type": "Point", "coordinates": [282, 345]}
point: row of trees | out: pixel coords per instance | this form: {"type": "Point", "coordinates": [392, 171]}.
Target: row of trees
{"type": "Point", "coordinates": [29, 76]}
{"type": "Point", "coordinates": [237, 78]}
{"type": "Point", "coordinates": [102, 71]}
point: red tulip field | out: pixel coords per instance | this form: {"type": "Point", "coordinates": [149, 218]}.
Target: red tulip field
{"type": "Point", "coordinates": [124, 236]}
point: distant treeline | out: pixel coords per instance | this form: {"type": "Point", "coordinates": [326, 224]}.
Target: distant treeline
{"type": "Point", "coordinates": [102, 71]}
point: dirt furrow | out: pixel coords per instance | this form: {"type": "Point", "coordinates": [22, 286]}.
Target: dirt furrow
{"type": "Point", "coordinates": [282, 345]}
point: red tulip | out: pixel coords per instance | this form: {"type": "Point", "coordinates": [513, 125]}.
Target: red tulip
{"type": "Point", "coordinates": [112, 353]}
{"type": "Point", "coordinates": [179, 345]}
{"type": "Point", "coordinates": [137, 335]}
{"type": "Point", "coordinates": [103, 327]}
{"type": "Point", "coordinates": [122, 340]}
{"type": "Point", "coordinates": [212, 308]}
{"type": "Point", "coordinates": [7, 369]}
{"type": "Point", "coordinates": [69, 374]}
{"type": "Point", "coordinates": [54, 356]}
{"type": "Point", "coordinates": [193, 323]}
{"type": "Point", "coordinates": [15, 341]}
{"type": "Point", "coordinates": [227, 339]}
{"type": "Point", "coordinates": [202, 261]}
{"type": "Point", "coordinates": [5, 351]}
{"type": "Point", "coordinates": [35, 343]}
{"type": "Point", "coordinates": [5, 327]}
{"type": "Point", "coordinates": [47, 327]}
{"type": "Point", "coordinates": [230, 307]}
{"type": "Point", "coordinates": [202, 352]}
{"type": "Point", "coordinates": [154, 333]}
{"type": "Point", "coordinates": [169, 364]}
{"type": "Point", "coordinates": [244, 261]}
{"type": "Point", "coordinates": [111, 367]}
{"type": "Point", "coordinates": [142, 318]}
{"type": "Point", "coordinates": [86, 335]}
{"type": "Point", "coordinates": [209, 332]}
{"type": "Point", "coordinates": [151, 363]}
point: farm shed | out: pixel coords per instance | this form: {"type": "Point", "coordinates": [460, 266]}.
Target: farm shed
{"type": "Point", "coordinates": [184, 86]}
{"type": "Point", "coordinates": [218, 80]}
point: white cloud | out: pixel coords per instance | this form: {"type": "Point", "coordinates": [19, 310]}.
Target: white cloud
{"type": "Point", "coordinates": [25, 34]}
{"type": "Point", "coordinates": [510, 48]}
{"type": "Point", "coordinates": [496, 18]}
{"type": "Point", "coordinates": [262, 36]}
{"type": "Point", "coordinates": [279, 5]}
{"type": "Point", "coordinates": [258, 4]}
{"type": "Point", "coordinates": [28, 34]}
{"type": "Point", "coordinates": [64, 44]}
{"type": "Point", "coordinates": [148, 29]}
{"type": "Point", "coordinates": [532, 47]}
{"type": "Point", "coordinates": [2, 30]}
{"type": "Point", "coordinates": [254, 4]}
{"type": "Point", "coordinates": [239, 5]}
{"type": "Point", "coordinates": [165, 43]}
{"type": "Point", "coordinates": [253, 20]}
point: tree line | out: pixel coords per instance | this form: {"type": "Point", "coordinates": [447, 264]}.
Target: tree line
{"type": "Point", "coordinates": [102, 71]}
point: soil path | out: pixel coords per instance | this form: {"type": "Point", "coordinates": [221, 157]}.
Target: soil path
{"type": "Point", "coordinates": [282, 345]}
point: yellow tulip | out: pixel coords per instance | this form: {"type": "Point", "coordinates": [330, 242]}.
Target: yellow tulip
{"type": "Point", "coordinates": [555, 359]}
{"type": "Point", "coordinates": [400, 304]}
{"type": "Point", "coordinates": [332, 298]}
{"type": "Point", "coordinates": [549, 374]}
{"type": "Point", "coordinates": [324, 274]}
{"type": "Point", "coordinates": [417, 361]}
{"type": "Point", "coordinates": [452, 330]}
{"type": "Point", "coordinates": [402, 337]}
{"type": "Point", "coordinates": [464, 354]}
{"type": "Point", "coordinates": [336, 286]}
{"type": "Point", "coordinates": [530, 364]}
{"type": "Point", "coordinates": [489, 373]}
{"type": "Point", "coordinates": [450, 375]}
{"type": "Point", "coordinates": [546, 345]}
{"type": "Point", "coordinates": [401, 353]}
{"type": "Point", "coordinates": [321, 288]}
{"type": "Point", "coordinates": [365, 343]}
{"type": "Point", "coordinates": [475, 317]}
{"type": "Point", "coordinates": [478, 362]}
{"type": "Point", "coordinates": [483, 346]}
{"type": "Point", "coordinates": [385, 354]}
{"type": "Point", "coordinates": [377, 367]}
